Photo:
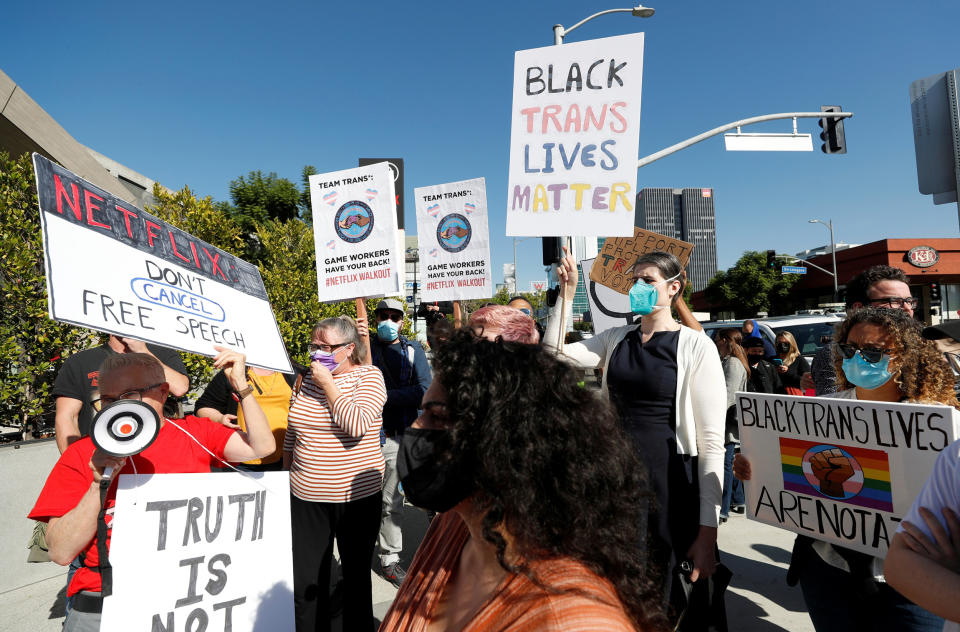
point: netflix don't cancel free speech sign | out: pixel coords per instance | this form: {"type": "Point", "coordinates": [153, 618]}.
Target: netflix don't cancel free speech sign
{"type": "Point", "coordinates": [113, 267]}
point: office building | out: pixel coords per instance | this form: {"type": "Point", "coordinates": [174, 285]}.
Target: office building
{"type": "Point", "coordinates": [688, 215]}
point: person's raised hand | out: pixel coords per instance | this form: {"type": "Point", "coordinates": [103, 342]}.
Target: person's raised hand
{"type": "Point", "coordinates": [568, 275]}
{"type": "Point", "coordinates": [234, 365]}
{"type": "Point", "coordinates": [134, 345]}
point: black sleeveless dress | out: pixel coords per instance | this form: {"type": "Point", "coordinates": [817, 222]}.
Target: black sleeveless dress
{"type": "Point", "coordinates": [642, 381]}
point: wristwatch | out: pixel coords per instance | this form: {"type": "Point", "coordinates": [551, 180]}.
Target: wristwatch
{"type": "Point", "coordinates": [239, 395]}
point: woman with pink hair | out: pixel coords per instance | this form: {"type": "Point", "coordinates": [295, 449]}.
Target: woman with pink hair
{"type": "Point", "coordinates": [500, 321]}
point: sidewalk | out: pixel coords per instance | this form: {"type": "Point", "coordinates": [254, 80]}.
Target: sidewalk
{"type": "Point", "coordinates": [758, 599]}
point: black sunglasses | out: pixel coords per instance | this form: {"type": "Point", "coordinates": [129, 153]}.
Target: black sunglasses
{"type": "Point", "coordinates": [870, 354]}
{"type": "Point", "coordinates": [394, 316]}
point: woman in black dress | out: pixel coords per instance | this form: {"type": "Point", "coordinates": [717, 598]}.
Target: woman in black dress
{"type": "Point", "coordinates": [792, 364]}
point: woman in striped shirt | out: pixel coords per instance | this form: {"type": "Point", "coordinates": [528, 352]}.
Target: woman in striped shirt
{"type": "Point", "coordinates": [332, 449]}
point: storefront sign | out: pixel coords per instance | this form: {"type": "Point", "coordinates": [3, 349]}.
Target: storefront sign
{"type": "Point", "coordinates": [923, 256]}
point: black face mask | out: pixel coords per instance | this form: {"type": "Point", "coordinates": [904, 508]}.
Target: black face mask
{"type": "Point", "coordinates": [428, 482]}
{"type": "Point", "coordinates": [753, 358]}
{"type": "Point", "coordinates": [783, 347]}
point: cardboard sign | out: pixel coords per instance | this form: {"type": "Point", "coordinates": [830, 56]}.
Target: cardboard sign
{"type": "Point", "coordinates": [574, 137]}
{"type": "Point", "coordinates": [454, 241]}
{"type": "Point", "coordinates": [608, 308]}
{"type": "Point", "coordinates": [201, 552]}
{"type": "Point", "coordinates": [115, 268]}
{"type": "Point", "coordinates": [355, 233]}
{"type": "Point", "coordinates": [840, 470]}
{"type": "Point", "coordinates": [613, 264]}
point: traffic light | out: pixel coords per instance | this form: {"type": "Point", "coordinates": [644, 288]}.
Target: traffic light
{"type": "Point", "coordinates": [771, 258]}
{"type": "Point", "coordinates": [934, 292]}
{"type": "Point", "coordinates": [551, 250]}
{"type": "Point", "coordinates": [834, 140]}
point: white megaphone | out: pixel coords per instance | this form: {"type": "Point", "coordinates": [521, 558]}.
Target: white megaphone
{"type": "Point", "coordinates": [124, 428]}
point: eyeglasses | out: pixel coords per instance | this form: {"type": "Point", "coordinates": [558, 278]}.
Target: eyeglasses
{"type": "Point", "coordinates": [870, 354]}
{"type": "Point", "coordinates": [134, 393]}
{"type": "Point", "coordinates": [325, 348]}
{"type": "Point", "coordinates": [394, 316]}
{"type": "Point", "coordinates": [895, 302]}
{"type": "Point", "coordinates": [524, 310]}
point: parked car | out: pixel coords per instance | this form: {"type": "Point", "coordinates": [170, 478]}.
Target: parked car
{"type": "Point", "coordinates": [811, 331]}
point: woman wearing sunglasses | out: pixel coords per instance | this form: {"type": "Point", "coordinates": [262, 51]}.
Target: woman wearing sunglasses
{"type": "Point", "coordinates": [666, 383]}
{"type": "Point", "coordinates": [332, 449]}
{"type": "Point", "coordinates": [881, 356]}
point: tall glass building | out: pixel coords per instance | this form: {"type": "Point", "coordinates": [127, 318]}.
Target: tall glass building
{"type": "Point", "coordinates": [685, 214]}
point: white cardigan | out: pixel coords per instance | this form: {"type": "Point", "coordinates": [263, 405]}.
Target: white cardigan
{"type": "Point", "coordinates": [700, 401]}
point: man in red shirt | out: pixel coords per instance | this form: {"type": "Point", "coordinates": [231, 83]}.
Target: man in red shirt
{"type": "Point", "coordinates": [70, 500]}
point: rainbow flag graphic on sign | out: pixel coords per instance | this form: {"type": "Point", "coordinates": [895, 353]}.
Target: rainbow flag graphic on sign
{"type": "Point", "coordinates": [856, 476]}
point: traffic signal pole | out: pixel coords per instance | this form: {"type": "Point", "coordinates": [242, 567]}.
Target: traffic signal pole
{"type": "Point", "coordinates": [646, 160]}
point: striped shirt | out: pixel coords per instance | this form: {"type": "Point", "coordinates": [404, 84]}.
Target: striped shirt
{"type": "Point", "coordinates": [336, 448]}
{"type": "Point", "coordinates": [584, 601]}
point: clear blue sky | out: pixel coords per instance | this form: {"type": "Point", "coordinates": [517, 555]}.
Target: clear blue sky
{"type": "Point", "coordinates": [200, 93]}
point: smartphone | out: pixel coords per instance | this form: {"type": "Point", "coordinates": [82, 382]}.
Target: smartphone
{"type": "Point", "coordinates": [778, 361]}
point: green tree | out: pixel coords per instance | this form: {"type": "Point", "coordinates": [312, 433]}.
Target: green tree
{"type": "Point", "coordinates": [305, 204]}
{"type": "Point", "coordinates": [32, 345]}
{"type": "Point", "coordinates": [750, 286]}
{"type": "Point", "coordinates": [261, 197]}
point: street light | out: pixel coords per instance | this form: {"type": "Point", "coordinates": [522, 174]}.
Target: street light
{"type": "Point", "coordinates": [833, 254]}
{"type": "Point", "coordinates": [638, 11]}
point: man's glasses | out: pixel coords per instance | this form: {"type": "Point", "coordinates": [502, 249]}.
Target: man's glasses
{"type": "Point", "coordinates": [895, 302]}
{"type": "Point", "coordinates": [312, 348]}
{"type": "Point", "coordinates": [524, 310]}
{"type": "Point", "coordinates": [134, 393]}
{"type": "Point", "coordinates": [394, 316]}
{"type": "Point", "coordinates": [870, 354]}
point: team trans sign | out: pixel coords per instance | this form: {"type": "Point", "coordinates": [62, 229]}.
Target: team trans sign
{"type": "Point", "coordinates": [574, 136]}
{"type": "Point", "coordinates": [115, 268]}
{"type": "Point", "coordinates": [840, 470]}
{"type": "Point", "coordinates": [454, 241]}
{"type": "Point", "coordinates": [355, 232]}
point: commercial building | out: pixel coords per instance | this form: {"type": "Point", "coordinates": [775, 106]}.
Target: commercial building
{"type": "Point", "coordinates": [26, 127]}
{"type": "Point", "coordinates": [932, 266]}
{"type": "Point", "coordinates": [688, 215]}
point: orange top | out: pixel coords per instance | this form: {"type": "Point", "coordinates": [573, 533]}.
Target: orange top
{"type": "Point", "coordinates": [516, 604]}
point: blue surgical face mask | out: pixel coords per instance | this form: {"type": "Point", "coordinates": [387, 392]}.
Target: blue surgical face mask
{"type": "Point", "coordinates": [388, 330]}
{"type": "Point", "coordinates": [643, 296]}
{"type": "Point", "coordinates": [864, 374]}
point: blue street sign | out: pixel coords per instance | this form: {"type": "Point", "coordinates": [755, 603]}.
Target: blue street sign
{"type": "Point", "coordinates": [793, 270]}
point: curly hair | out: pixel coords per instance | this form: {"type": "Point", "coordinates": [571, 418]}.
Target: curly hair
{"type": "Point", "coordinates": [513, 324]}
{"type": "Point", "coordinates": [858, 286]}
{"type": "Point", "coordinates": [550, 464]}
{"type": "Point", "coordinates": [924, 375]}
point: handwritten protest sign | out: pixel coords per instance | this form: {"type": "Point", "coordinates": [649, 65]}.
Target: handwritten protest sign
{"type": "Point", "coordinates": [612, 267]}
{"type": "Point", "coordinates": [574, 137]}
{"type": "Point", "coordinates": [115, 268]}
{"type": "Point", "coordinates": [355, 233]}
{"type": "Point", "coordinates": [839, 470]}
{"type": "Point", "coordinates": [454, 240]}
{"type": "Point", "coordinates": [608, 308]}
{"type": "Point", "coordinates": [201, 552]}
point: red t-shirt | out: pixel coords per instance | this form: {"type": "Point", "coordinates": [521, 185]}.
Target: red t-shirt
{"type": "Point", "coordinates": [173, 452]}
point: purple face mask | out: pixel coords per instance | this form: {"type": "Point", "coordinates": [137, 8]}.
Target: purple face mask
{"type": "Point", "coordinates": [326, 359]}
